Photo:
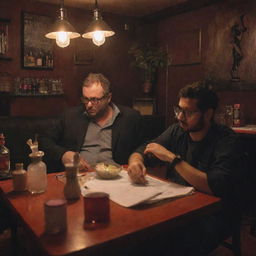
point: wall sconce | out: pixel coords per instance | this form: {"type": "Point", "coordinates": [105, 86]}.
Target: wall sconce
{"type": "Point", "coordinates": [62, 31]}
{"type": "Point", "coordinates": [98, 29]}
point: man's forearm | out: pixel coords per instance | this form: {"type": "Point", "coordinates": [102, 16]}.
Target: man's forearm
{"type": "Point", "coordinates": [195, 177]}
{"type": "Point", "coordinates": [135, 157]}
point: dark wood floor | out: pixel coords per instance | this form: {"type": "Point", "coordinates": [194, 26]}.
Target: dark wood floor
{"type": "Point", "coordinates": [248, 244]}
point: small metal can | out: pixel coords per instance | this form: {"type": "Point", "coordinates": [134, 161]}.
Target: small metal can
{"type": "Point", "coordinates": [55, 213]}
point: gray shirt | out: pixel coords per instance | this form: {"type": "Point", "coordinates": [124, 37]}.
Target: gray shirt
{"type": "Point", "coordinates": [97, 145]}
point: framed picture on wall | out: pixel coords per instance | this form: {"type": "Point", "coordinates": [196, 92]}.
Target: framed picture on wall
{"type": "Point", "coordinates": [84, 52]}
{"type": "Point", "coordinates": [36, 49]}
{"type": "Point", "coordinates": [185, 47]}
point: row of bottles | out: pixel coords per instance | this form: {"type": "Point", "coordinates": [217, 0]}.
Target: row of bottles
{"type": "Point", "coordinates": [38, 58]}
{"type": "Point", "coordinates": [35, 179]}
{"type": "Point", "coordinates": [37, 86]}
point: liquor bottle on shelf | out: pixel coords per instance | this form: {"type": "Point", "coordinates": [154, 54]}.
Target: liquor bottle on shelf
{"type": "Point", "coordinates": [31, 59]}
{"type": "Point", "coordinates": [39, 60]}
{"type": "Point", "coordinates": [17, 82]}
{"type": "Point", "coordinates": [4, 158]}
{"type": "Point", "coordinates": [238, 118]}
{"type": "Point", "coordinates": [26, 59]}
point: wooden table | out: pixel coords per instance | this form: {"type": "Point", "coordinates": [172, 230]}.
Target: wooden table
{"type": "Point", "coordinates": [127, 225]}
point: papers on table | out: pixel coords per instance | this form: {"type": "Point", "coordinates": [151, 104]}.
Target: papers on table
{"type": "Point", "coordinates": [123, 192]}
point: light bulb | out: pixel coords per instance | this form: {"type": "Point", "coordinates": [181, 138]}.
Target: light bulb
{"type": "Point", "coordinates": [98, 38]}
{"type": "Point", "coordinates": [62, 39]}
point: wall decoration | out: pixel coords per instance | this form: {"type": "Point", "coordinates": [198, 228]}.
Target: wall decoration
{"type": "Point", "coordinates": [83, 52]}
{"type": "Point", "coordinates": [185, 47]}
{"type": "Point", "coordinates": [237, 31]}
{"type": "Point", "coordinates": [4, 39]}
{"type": "Point", "coordinates": [37, 50]}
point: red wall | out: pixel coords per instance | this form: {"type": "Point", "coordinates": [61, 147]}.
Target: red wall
{"type": "Point", "coordinates": [215, 23]}
{"type": "Point", "coordinates": [110, 59]}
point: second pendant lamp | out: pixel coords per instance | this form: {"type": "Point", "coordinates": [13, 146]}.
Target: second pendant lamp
{"type": "Point", "coordinates": [98, 29]}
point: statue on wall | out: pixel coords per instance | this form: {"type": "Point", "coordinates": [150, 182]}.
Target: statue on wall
{"type": "Point", "coordinates": [237, 32]}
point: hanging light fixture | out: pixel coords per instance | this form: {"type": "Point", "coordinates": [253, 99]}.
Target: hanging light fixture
{"type": "Point", "coordinates": [98, 29]}
{"type": "Point", "coordinates": [62, 31]}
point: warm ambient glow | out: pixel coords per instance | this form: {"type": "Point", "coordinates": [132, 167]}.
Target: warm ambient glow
{"type": "Point", "coordinates": [98, 38]}
{"type": "Point", "coordinates": [62, 31]}
{"type": "Point", "coordinates": [62, 39]}
{"type": "Point", "coordinates": [98, 29]}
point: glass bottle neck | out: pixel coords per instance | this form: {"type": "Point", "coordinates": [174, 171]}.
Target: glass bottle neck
{"type": "Point", "coordinates": [36, 159]}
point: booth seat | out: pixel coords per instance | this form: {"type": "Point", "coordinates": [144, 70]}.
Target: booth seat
{"type": "Point", "coordinates": [17, 131]}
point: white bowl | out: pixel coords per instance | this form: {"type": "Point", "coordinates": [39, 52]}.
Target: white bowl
{"type": "Point", "coordinates": [107, 171]}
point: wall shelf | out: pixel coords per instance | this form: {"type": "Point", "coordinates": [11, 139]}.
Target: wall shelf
{"type": "Point", "coordinates": [2, 57]}
{"type": "Point", "coordinates": [37, 95]}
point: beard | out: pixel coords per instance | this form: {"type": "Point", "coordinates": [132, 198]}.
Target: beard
{"type": "Point", "coordinates": [197, 127]}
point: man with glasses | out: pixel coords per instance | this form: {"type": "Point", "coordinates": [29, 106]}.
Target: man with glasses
{"type": "Point", "coordinates": [100, 130]}
{"type": "Point", "coordinates": [202, 154]}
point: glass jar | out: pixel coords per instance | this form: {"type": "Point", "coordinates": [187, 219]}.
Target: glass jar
{"type": "Point", "coordinates": [19, 178]}
{"type": "Point", "coordinates": [36, 174]}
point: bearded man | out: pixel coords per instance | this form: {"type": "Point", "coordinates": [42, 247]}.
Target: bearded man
{"type": "Point", "coordinates": [202, 154]}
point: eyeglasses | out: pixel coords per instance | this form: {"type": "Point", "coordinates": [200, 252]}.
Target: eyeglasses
{"type": "Point", "coordinates": [187, 113]}
{"type": "Point", "coordinates": [94, 101]}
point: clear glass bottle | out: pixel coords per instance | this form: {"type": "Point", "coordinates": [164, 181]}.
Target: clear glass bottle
{"type": "Point", "coordinates": [36, 173]}
{"type": "Point", "coordinates": [4, 158]}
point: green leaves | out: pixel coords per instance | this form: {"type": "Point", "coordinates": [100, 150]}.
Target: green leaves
{"type": "Point", "coordinates": [149, 59]}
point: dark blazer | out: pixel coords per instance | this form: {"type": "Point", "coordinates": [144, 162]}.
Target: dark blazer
{"type": "Point", "coordinates": [69, 132]}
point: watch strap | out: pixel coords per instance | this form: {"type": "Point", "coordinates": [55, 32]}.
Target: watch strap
{"type": "Point", "coordinates": [177, 159]}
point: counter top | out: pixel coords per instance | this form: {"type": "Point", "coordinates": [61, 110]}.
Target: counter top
{"type": "Point", "coordinates": [247, 129]}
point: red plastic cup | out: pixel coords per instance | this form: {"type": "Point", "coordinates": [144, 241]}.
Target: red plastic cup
{"type": "Point", "coordinates": [96, 207]}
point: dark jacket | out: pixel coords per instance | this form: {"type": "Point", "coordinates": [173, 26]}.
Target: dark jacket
{"type": "Point", "coordinates": [69, 133]}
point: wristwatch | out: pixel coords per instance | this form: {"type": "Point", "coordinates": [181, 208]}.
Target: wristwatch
{"type": "Point", "coordinates": [175, 161]}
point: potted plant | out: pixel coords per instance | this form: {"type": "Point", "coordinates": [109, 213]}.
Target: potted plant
{"type": "Point", "coordinates": [149, 59]}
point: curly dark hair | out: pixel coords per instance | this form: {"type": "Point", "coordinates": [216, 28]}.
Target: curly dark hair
{"type": "Point", "coordinates": [202, 91]}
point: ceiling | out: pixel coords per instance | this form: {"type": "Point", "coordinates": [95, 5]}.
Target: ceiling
{"type": "Point", "coordinates": [137, 8]}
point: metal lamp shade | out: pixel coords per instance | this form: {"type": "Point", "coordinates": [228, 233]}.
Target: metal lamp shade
{"type": "Point", "coordinates": [62, 25]}
{"type": "Point", "coordinates": [98, 25]}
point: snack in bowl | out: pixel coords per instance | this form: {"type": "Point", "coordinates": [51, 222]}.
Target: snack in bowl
{"type": "Point", "coordinates": [107, 171]}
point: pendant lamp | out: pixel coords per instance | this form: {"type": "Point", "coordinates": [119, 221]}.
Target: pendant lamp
{"type": "Point", "coordinates": [98, 29]}
{"type": "Point", "coordinates": [62, 31]}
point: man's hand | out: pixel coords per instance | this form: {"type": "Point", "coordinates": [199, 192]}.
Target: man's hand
{"type": "Point", "coordinates": [68, 157]}
{"type": "Point", "coordinates": [137, 169]}
{"type": "Point", "coordinates": [160, 152]}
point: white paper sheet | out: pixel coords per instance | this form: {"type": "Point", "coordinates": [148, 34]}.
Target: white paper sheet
{"type": "Point", "coordinates": [123, 192]}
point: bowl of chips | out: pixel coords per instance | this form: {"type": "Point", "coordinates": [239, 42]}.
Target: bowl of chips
{"type": "Point", "coordinates": [107, 171]}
